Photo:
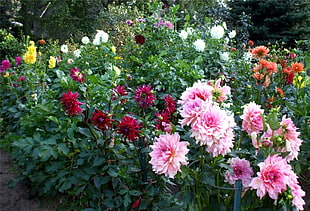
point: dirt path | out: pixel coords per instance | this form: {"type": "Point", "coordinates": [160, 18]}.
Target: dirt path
{"type": "Point", "coordinates": [15, 199]}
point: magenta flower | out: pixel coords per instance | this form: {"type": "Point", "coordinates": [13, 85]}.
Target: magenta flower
{"type": "Point", "coordinates": [129, 22]}
{"type": "Point", "coordinates": [168, 154]}
{"type": "Point", "coordinates": [128, 127]}
{"type": "Point", "coordinates": [252, 118]}
{"type": "Point", "coordinates": [70, 103]}
{"type": "Point", "coordinates": [214, 127]}
{"type": "Point", "coordinates": [241, 170]}
{"type": "Point", "coordinates": [22, 78]}
{"type": "Point", "coordinates": [18, 60]}
{"type": "Point", "coordinates": [76, 75]}
{"type": "Point", "coordinates": [119, 91]}
{"type": "Point", "coordinates": [145, 96]}
{"type": "Point", "coordinates": [274, 177]}
{"type": "Point", "coordinates": [5, 64]}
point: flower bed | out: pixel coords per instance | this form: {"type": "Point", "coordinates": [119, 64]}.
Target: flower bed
{"type": "Point", "coordinates": [115, 128]}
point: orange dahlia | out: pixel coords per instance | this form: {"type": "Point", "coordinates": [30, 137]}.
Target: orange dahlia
{"type": "Point", "coordinates": [260, 51]}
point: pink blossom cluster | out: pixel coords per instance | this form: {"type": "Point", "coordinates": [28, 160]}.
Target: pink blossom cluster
{"type": "Point", "coordinates": [162, 23]}
{"type": "Point", "coordinates": [168, 154]}
{"type": "Point", "coordinates": [284, 139]}
{"type": "Point", "coordinates": [210, 125]}
{"type": "Point", "coordinates": [274, 177]}
{"type": "Point", "coordinates": [287, 134]}
{"type": "Point", "coordinates": [240, 170]}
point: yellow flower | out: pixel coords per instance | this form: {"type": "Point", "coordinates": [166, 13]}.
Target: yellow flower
{"type": "Point", "coordinates": [6, 74]}
{"type": "Point", "coordinates": [30, 55]}
{"type": "Point", "coordinates": [118, 57]}
{"type": "Point", "coordinates": [52, 62]}
{"type": "Point", "coordinates": [300, 82]}
{"type": "Point", "coordinates": [117, 70]}
{"type": "Point", "coordinates": [113, 49]}
{"type": "Point", "coordinates": [30, 58]}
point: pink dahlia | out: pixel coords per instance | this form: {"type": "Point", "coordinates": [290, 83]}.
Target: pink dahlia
{"type": "Point", "coordinates": [70, 103]}
{"type": "Point", "coordinates": [199, 90]}
{"type": "Point", "coordinates": [145, 96]}
{"type": "Point", "coordinates": [191, 110]}
{"type": "Point", "coordinates": [76, 75]}
{"type": "Point", "coordinates": [274, 177]}
{"type": "Point", "coordinates": [6, 64]}
{"type": "Point", "coordinates": [168, 154]}
{"type": "Point", "coordinates": [101, 120]}
{"type": "Point", "coordinates": [252, 118]}
{"type": "Point", "coordinates": [128, 127]}
{"type": "Point", "coordinates": [220, 93]}
{"type": "Point", "coordinates": [214, 128]}
{"type": "Point", "coordinates": [241, 170]}
{"type": "Point", "coordinates": [285, 139]}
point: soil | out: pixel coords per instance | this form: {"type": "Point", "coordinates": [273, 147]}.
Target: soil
{"type": "Point", "coordinates": [16, 199]}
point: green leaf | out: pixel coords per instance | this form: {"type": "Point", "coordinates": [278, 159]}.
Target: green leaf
{"type": "Point", "coordinates": [98, 161]}
{"type": "Point", "coordinates": [272, 120]}
{"type": "Point", "coordinates": [62, 148]}
{"type": "Point", "coordinates": [134, 193]}
{"type": "Point", "coordinates": [85, 131]}
{"type": "Point", "coordinates": [24, 144]}
{"type": "Point", "coordinates": [112, 173]}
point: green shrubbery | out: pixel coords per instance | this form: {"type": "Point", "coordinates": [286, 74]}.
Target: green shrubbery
{"type": "Point", "coordinates": [82, 118]}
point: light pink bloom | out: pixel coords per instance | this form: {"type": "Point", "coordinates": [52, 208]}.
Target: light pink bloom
{"type": "Point", "coordinates": [274, 177]}
{"type": "Point", "coordinates": [241, 170]}
{"type": "Point", "coordinates": [168, 154]}
{"type": "Point", "coordinates": [252, 118]}
{"type": "Point", "coordinates": [290, 136]}
{"type": "Point", "coordinates": [213, 127]}
{"type": "Point", "coordinates": [190, 111]}
{"type": "Point", "coordinates": [220, 92]}
{"type": "Point", "coordinates": [198, 90]}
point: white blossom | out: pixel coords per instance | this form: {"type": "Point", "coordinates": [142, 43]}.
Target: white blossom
{"type": "Point", "coordinates": [217, 32]}
{"type": "Point", "coordinates": [199, 45]}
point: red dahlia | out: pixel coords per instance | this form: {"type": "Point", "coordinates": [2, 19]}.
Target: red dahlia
{"type": "Point", "coordinates": [101, 120]}
{"type": "Point", "coordinates": [140, 39]}
{"type": "Point", "coordinates": [70, 103]}
{"type": "Point", "coordinates": [119, 91]}
{"type": "Point", "coordinates": [170, 104]}
{"type": "Point", "coordinates": [128, 127]}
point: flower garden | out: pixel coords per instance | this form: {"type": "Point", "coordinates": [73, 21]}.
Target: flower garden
{"type": "Point", "coordinates": [173, 119]}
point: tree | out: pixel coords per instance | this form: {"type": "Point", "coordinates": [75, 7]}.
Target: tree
{"type": "Point", "coordinates": [273, 20]}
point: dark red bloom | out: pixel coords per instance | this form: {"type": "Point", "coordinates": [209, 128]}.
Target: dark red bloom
{"type": "Point", "coordinates": [128, 127]}
{"type": "Point", "coordinates": [140, 39]}
{"type": "Point", "coordinates": [70, 103]}
{"type": "Point", "coordinates": [119, 91]}
{"type": "Point", "coordinates": [289, 78]}
{"type": "Point", "coordinates": [163, 117]}
{"type": "Point", "coordinates": [136, 203]}
{"type": "Point", "coordinates": [170, 104]}
{"type": "Point", "coordinates": [144, 96]}
{"type": "Point", "coordinates": [101, 120]}
{"type": "Point", "coordinates": [77, 75]}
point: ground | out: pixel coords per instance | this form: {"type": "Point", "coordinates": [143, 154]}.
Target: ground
{"type": "Point", "coordinates": [16, 199]}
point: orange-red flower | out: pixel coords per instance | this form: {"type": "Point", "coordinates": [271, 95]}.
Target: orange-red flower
{"type": "Point", "coordinates": [297, 67]}
{"type": "Point", "coordinates": [280, 91]}
{"type": "Point", "coordinates": [250, 43]}
{"type": "Point", "coordinates": [42, 42]}
{"type": "Point", "coordinates": [260, 51]}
